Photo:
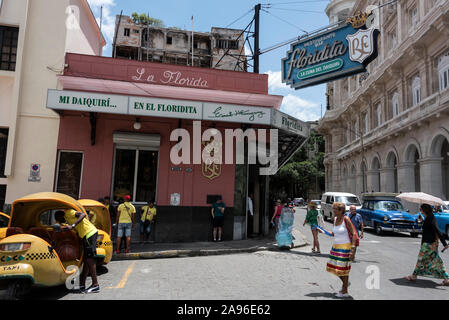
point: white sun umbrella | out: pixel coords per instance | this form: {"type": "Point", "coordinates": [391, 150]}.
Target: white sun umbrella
{"type": "Point", "coordinates": [420, 197]}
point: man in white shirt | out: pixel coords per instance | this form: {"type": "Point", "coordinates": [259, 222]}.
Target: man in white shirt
{"type": "Point", "coordinates": [250, 210]}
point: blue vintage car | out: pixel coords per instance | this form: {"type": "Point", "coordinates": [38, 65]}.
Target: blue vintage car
{"type": "Point", "coordinates": [442, 218]}
{"type": "Point", "coordinates": [384, 212]}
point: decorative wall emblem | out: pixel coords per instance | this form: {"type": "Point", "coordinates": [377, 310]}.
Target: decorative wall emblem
{"type": "Point", "coordinates": [211, 170]}
{"type": "Point", "coordinates": [361, 45]}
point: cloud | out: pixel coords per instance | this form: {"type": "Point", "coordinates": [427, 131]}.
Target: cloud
{"type": "Point", "coordinates": [275, 81]}
{"type": "Point", "coordinates": [300, 108]}
{"type": "Point", "coordinates": [108, 24]}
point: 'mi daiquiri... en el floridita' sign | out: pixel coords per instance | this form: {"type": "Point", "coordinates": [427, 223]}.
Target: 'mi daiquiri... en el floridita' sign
{"type": "Point", "coordinates": [340, 52]}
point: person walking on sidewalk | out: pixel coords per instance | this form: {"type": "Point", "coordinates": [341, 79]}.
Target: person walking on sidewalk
{"type": "Point", "coordinates": [250, 213]}
{"type": "Point", "coordinates": [343, 247]}
{"type": "Point", "coordinates": [126, 221]}
{"type": "Point", "coordinates": [312, 220]}
{"type": "Point", "coordinates": [277, 214]}
{"type": "Point", "coordinates": [148, 213]}
{"type": "Point", "coordinates": [217, 212]}
{"type": "Point", "coordinates": [429, 262]}
{"type": "Point", "coordinates": [357, 222]}
{"type": "Point", "coordinates": [284, 235]}
{"type": "Point", "coordinates": [88, 233]}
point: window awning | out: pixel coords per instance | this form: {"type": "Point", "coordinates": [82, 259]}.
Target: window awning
{"type": "Point", "coordinates": [159, 91]}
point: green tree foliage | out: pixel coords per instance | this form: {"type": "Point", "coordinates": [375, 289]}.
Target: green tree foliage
{"type": "Point", "coordinates": [302, 173]}
{"type": "Point", "coordinates": [145, 19]}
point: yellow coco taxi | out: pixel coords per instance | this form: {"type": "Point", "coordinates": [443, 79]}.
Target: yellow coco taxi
{"type": "Point", "coordinates": [35, 253]}
{"type": "Point", "coordinates": [100, 217]}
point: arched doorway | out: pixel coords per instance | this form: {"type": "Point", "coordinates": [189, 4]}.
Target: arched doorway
{"type": "Point", "coordinates": [344, 184]}
{"type": "Point", "coordinates": [440, 167]}
{"type": "Point", "coordinates": [391, 173]}
{"type": "Point", "coordinates": [352, 187]}
{"type": "Point", "coordinates": [375, 175]}
{"type": "Point", "coordinates": [412, 169]}
{"type": "Point", "coordinates": [364, 177]}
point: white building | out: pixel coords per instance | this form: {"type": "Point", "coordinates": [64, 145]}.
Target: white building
{"type": "Point", "coordinates": [398, 110]}
{"type": "Point", "coordinates": [34, 37]}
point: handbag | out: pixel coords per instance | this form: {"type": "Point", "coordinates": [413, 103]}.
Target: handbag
{"type": "Point", "coordinates": [146, 222]}
{"type": "Point", "coordinates": [357, 241]}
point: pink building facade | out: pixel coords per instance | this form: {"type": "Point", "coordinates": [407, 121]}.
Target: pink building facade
{"type": "Point", "coordinates": [116, 118]}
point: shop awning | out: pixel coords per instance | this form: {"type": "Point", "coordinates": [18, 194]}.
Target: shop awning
{"type": "Point", "coordinates": [293, 133]}
{"type": "Point", "coordinates": [159, 91]}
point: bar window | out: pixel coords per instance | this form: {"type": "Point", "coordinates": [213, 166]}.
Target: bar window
{"type": "Point", "coordinates": [8, 47]}
{"type": "Point", "coordinates": [68, 179]}
{"type": "Point", "coordinates": [126, 32]}
{"type": "Point", "coordinates": [3, 146]}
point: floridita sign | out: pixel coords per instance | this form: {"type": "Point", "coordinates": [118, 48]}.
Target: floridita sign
{"type": "Point", "coordinates": [340, 52]}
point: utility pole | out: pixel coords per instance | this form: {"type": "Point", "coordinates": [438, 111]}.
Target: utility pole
{"type": "Point", "coordinates": [148, 37]}
{"type": "Point", "coordinates": [256, 37]}
{"type": "Point", "coordinates": [99, 37]}
{"type": "Point", "coordinates": [192, 43]}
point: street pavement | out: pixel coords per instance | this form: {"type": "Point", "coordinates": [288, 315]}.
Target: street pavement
{"type": "Point", "coordinates": [295, 274]}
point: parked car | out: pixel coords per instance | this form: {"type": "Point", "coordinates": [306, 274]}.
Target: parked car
{"type": "Point", "coordinates": [318, 204]}
{"type": "Point", "coordinates": [298, 202]}
{"type": "Point", "coordinates": [442, 218]}
{"type": "Point", "coordinates": [328, 199]}
{"type": "Point", "coordinates": [384, 212]}
{"type": "Point", "coordinates": [4, 220]}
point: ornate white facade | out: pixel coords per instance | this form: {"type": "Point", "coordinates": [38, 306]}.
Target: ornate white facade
{"type": "Point", "coordinates": [398, 111]}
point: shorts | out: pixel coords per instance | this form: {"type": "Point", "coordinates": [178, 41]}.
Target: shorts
{"type": "Point", "coordinates": [218, 222]}
{"type": "Point", "coordinates": [124, 228]}
{"type": "Point", "coordinates": [144, 230]}
{"type": "Point", "coordinates": [313, 228]}
{"type": "Point", "coordinates": [90, 245]}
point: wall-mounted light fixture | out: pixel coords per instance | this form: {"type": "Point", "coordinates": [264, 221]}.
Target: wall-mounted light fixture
{"type": "Point", "coordinates": [137, 125]}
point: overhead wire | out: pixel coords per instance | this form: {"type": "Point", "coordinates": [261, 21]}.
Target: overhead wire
{"type": "Point", "coordinates": [293, 25]}
{"type": "Point", "coordinates": [239, 18]}
{"type": "Point", "coordinates": [298, 10]}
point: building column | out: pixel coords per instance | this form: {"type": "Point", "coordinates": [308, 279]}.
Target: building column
{"type": "Point", "coordinates": [406, 177]}
{"type": "Point", "coordinates": [431, 176]}
{"type": "Point", "coordinates": [387, 179]}
{"type": "Point", "coordinates": [359, 184]}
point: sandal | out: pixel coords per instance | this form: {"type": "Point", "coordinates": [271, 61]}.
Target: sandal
{"type": "Point", "coordinates": [313, 250]}
{"type": "Point", "coordinates": [444, 283]}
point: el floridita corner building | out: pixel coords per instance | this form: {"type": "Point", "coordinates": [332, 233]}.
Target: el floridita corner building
{"type": "Point", "coordinates": [398, 111]}
{"type": "Point", "coordinates": [74, 122]}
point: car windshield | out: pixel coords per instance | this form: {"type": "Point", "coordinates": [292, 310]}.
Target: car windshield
{"type": "Point", "coordinates": [318, 202]}
{"type": "Point", "coordinates": [446, 208]}
{"type": "Point", "coordinates": [388, 206]}
{"type": "Point", "coordinates": [348, 200]}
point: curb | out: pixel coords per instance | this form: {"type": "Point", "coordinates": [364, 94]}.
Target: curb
{"type": "Point", "coordinates": [193, 252]}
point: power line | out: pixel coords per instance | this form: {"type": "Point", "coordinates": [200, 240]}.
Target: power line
{"type": "Point", "coordinates": [285, 21]}
{"type": "Point", "coordinates": [298, 10]}
{"type": "Point", "coordinates": [295, 2]}
{"type": "Point", "coordinates": [239, 18]}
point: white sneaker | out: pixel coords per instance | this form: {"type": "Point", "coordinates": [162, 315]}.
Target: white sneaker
{"type": "Point", "coordinates": [342, 295]}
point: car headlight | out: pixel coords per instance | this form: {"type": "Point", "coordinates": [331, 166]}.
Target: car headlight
{"type": "Point", "coordinates": [386, 218]}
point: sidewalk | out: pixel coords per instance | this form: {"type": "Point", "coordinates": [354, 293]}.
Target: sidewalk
{"type": "Point", "coordinates": [192, 249]}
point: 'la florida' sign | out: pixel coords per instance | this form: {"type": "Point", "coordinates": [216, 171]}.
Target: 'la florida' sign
{"type": "Point", "coordinates": [334, 54]}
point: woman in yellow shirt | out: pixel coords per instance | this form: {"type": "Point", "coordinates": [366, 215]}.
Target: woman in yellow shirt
{"type": "Point", "coordinates": [146, 220]}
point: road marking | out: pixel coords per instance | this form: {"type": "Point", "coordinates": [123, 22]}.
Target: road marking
{"type": "Point", "coordinates": [122, 282]}
{"type": "Point", "coordinates": [370, 241]}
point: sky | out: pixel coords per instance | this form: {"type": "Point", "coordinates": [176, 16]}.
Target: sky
{"type": "Point", "coordinates": [281, 21]}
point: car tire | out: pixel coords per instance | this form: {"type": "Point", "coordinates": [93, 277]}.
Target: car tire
{"type": "Point", "coordinates": [447, 231]}
{"type": "Point", "coordinates": [414, 234]}
{"type": "Point", "coordinates": [379, 230]}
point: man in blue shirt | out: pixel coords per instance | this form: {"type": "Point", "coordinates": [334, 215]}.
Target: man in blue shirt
{"type": "Point", "coordinates": [356, 220]}
{"type": "Point", "coordinates": [217, 212]}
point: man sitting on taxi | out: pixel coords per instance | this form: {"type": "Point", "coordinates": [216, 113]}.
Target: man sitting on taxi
{"type": "Point", "coordinates": [88, 233]}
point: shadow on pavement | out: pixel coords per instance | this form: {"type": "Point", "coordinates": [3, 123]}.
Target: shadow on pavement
{"type": "Point", "coordinates": [326, 295]}
{"type": "Point", "coordinates": [50, 293]}
{"type": "Point", "coordinates": [420, 283]}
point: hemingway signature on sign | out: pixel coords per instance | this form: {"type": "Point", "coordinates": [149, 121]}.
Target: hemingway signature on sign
{"type": "Point", "coordinates": [170, 77]}
{"type": "Point", "coordinates": [251, 114]}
